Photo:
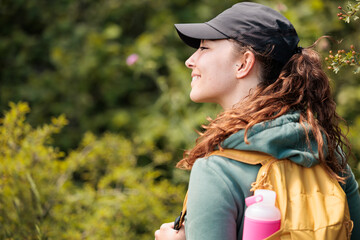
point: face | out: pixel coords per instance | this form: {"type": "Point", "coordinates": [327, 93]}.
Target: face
{"type": "Point", "coordinates": [213, 74]}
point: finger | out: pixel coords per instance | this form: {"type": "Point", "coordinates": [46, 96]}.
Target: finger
{"type": "Point", "coordinates": [167, 225]}
{"type": "Point", "coordinates": [157, 232]}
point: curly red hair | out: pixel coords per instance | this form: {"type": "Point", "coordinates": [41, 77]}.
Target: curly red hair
{"type": "Point", "coordinates": [300, 85]}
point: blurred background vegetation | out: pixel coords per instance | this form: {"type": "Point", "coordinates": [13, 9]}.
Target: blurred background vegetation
{"type": "Point", "coordinates": [101, 112]}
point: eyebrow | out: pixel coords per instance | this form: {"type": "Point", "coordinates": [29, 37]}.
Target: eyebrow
{"type": "Point", "coordinates": [208, 40]}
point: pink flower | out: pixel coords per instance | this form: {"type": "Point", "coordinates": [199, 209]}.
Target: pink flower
{"type": "Point", "coordinates": [130, 60]}
{"type": "Point", "coordinates": [281, 7]}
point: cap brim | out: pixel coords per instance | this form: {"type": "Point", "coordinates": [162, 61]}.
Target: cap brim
{"type": "Point", "coordinates": [193, 33]}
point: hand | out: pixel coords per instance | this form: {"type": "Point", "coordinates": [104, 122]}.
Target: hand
{"type": "Point", "coordinates": [167, 232]}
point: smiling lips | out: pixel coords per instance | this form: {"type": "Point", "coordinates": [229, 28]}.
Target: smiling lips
{"type": "Point", "coordinates": [195, 77]}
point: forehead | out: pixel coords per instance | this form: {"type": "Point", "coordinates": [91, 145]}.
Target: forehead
{"type": "Point", "coordinates": [207, 41]}
{"type": "Point", "coordinates": [215, 41]}
{"type": "Point", "coordinates": [218, 43]}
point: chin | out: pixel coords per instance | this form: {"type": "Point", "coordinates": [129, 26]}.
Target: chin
{"type": "Point", "coordinates": [199, 99]}
{"type": "Point", "coordinates": [195, 98]}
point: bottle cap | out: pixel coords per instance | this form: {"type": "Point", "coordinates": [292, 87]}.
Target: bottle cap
{"type": "Point", "coordinates": [268, 196]}
{"type": "Point", "coordinates": [254, 199]}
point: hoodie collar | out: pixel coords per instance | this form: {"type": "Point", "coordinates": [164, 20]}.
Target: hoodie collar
{"type": "Point", "coordinates": [283, 138]}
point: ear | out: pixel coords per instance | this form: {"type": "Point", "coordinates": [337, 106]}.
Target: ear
{"type": "Point", "coordinates": [245, 64]}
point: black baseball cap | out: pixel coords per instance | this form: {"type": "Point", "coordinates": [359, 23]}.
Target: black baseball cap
{"type": "Point", "coordinates": [250, 23]}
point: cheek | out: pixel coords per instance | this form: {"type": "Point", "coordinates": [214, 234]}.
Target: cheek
{"type": "Point", "coordinates": [225, 73]}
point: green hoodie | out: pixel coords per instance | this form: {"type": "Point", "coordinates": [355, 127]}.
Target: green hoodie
{"type": "Point", "coordinates": [218, 186]}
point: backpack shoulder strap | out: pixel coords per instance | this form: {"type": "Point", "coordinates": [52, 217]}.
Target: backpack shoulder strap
{"type": "Point", "coordinates": [253, 158]}
{"type": "Point", "coordinates": [249, 157]}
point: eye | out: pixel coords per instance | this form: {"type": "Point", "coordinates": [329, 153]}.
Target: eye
{"type": "Point", "coordinates": [203, 48]}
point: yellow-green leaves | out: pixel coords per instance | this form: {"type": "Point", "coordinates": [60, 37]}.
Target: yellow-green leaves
{"type": "Point", "coordinates": [101, 190]}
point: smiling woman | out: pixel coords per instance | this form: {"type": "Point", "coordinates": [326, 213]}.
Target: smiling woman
{"type": "Point", "coordinates": [223, 84]}
{"type": "Point", "coordinates": [276, 100]}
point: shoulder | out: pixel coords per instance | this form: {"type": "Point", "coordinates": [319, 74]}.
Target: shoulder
{"type": "Point", "coordinates": [219, 163]}
{"type": "Point", "coordinates": [224, 165]}
{"type": "Point", "coordinates": [236, 176]}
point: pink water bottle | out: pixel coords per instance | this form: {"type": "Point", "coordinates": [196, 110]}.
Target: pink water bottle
{"type": "Point", "coordinates": [262, 218]}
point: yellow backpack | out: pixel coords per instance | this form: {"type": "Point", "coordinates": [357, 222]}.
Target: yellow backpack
{"type": "Point", "coordinates": [312, 204]}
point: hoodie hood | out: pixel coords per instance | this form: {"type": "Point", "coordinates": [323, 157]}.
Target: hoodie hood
{"type": "Point", "coordinates": [283, 138]}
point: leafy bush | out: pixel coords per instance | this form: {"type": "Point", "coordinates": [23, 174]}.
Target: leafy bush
{"type": "Point", "coordinates": [96, 192]}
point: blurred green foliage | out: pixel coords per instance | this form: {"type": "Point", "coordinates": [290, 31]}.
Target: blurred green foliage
{"type": "Point", "coordinates": [97, 191]}
{"type": "Point", "coordinates": [115, 69]}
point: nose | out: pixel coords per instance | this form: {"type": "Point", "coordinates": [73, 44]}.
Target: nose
{"type": "Point", "coordinates": [190, 62]}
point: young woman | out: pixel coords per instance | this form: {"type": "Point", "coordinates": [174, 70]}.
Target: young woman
{"type": "Point", "coordinates": [249, 62]}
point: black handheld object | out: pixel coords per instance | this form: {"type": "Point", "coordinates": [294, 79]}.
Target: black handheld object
{"type": "Point", "coordinates": [180, 219]}
{"type": "Point", "coordinates": [177, 223]}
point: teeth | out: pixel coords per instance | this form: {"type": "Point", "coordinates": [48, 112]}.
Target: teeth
{"type": "Point", "coordinates": [195, 78]}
